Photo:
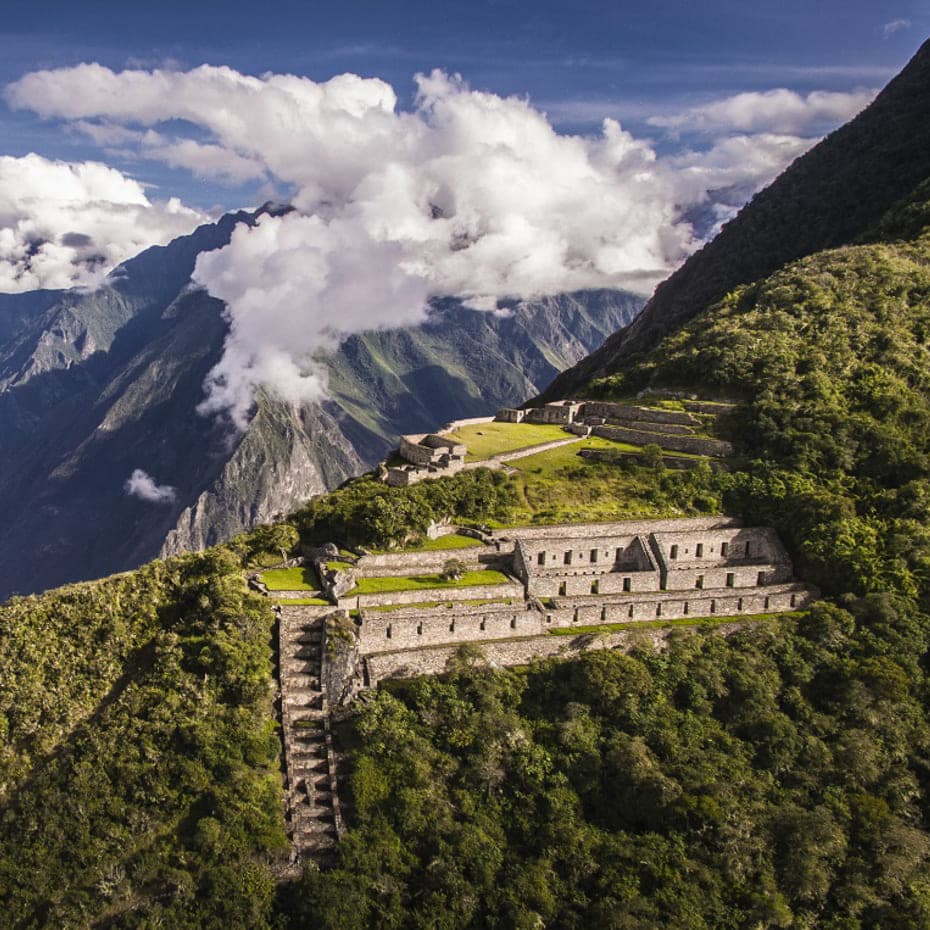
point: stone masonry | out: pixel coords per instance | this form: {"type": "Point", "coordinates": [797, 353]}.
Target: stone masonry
{"type": "Point", "coordinates": [574, 575]}
{"type": "Point", "coordinates": [585, 577]}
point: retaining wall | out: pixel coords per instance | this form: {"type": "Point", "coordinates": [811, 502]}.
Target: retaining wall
{"type": "Point", "coordinates": [612, 457]}
{"type": "Point", "coordinates": [390, 630]}
{"type": "Point", "coordinates": [703, 406]}
{"type": "Point", "coordinates": [631, 414]}
{"type": "Point", "coordinates": [618, 528]}
{"type": "Point", "coordinates": [688, 444]}
{"type": "Point", "coordinates": [413, 663]}
{"type": "Point", "coordinates": [426, 563]}
{"type": "Point", "coordinates": [473, 592]}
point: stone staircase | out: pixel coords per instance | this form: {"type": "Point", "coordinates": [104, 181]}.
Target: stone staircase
{"type": "Point", "coordinates": [313, 807]}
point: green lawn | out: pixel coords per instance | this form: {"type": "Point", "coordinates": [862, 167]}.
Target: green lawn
{"type": "Point", "coordinates": [303, 602]}
{"type": "Point", "coordinates": [429, 605]}
{"type": "Point", "coordinates": [452, 541]}
{"type": "Point", "coordinates": [384, 585]}
{"type": "Point", "coordinates": [679, 621]}
{"type": "Point", "coordinates": [301, 578]}
{"type": "Point", "coordinates": [337, 565]}
{"type": "Point", "coordinates": [487, 439]}
{"type": "Point", "coordinates": [559, 486]}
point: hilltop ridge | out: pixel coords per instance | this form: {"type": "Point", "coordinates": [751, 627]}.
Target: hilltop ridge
{"type": "Point", "coordinates": [831, 196]}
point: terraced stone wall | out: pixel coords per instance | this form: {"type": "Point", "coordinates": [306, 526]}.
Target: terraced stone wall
{"type": "Point", "coordinates": [433, 661]}
{"type": "Point", "coordinates": [471, 592]}
{"type": "Point", "coordinates": [689, 444]}
{"type": "Point", "coordinates": [628, 414]}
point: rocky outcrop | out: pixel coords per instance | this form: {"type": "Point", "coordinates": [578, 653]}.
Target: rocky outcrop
{"type": "Point", "coordinates": [287, 455]}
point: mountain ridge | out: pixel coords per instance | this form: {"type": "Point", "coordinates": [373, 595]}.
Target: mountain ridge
{"type": "Point", "coordinates": [829, 196]}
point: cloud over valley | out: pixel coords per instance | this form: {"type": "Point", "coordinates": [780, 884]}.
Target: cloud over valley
{"type": "Point", "coordinates": [468, 194]}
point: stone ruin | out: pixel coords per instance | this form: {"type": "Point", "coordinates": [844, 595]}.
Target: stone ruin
{"type": "Point", "coordinates": [598, 586]}
{"type": "Point", "coordinates": [673, 430]}
{"type": "Point", "coordinates": [425, 455]}
{"type": "Point", "coordinates": [559, 578]}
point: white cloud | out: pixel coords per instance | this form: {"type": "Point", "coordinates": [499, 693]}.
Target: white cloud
{"type": "Point", "coordinates": [142, 485]}
{"type": "Point", "coordinates": [778, 111]}
{"type": "Point", "coordinates": [470, 194]}
{"type": "Point", "coordinates": [895, 25]}
{"type": "Point", "coordinates": [65, 224]}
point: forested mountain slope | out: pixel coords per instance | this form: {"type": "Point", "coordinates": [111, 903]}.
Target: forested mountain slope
{"type": "Point", "coordinates": [829, 197]}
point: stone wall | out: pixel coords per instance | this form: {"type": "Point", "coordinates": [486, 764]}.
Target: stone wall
{"type": "Point", "coordinates": [381, 631]}
{"type": "Point", "coordinates": [583, 583]}
{"type": "Point", "coordinates": [426, 563]}
{"type": "Point", "coordinates": [387, 630]}
{"type": "Point", "coordinates": [471, 592]}
{"type": "Point", "coordinates": [725, 545]}
{"type": "Point", "coordinates": [628, 414]}
{"type": "Point", "coordinates": [689, 444]}
{"type": "Point", "coordinates": [413, 663]}
{"type": "Point", "coordinates": [452, 426]}
{"type": "Point", "coordinates": [619, 528]}
{"type": "Point", "coordinates": [703, 406]}
{"type": "Point", "coordinates": [613, 456]}
{"type": "Point", "coordinates": [598, 552]}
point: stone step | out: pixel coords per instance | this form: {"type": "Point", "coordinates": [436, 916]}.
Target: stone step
{"type": "Point", "coordinates": [301, 681]}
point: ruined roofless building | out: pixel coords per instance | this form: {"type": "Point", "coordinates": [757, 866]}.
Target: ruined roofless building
{"type": "Point", "coordinates": [427, 455]}
{"type": "Point", "coordinates": [569, 576]}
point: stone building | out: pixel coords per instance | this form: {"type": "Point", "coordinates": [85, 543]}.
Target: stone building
{"type": "Point", "coordinates": [573, 576]}
{"type": "Point", "coordinates": [426, 455]}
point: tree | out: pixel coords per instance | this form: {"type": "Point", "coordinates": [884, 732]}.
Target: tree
{"type": "Point", "coordinates": [453, 569]}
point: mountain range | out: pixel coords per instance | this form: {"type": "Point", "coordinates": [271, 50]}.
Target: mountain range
{"type": "Point", "coordinates": [96, 384]}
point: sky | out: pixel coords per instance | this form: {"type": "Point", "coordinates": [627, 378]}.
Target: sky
{"type": "Point", "coordinates": [484, 150]}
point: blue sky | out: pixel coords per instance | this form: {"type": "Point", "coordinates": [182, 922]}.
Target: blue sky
{"type": "Point", "coordinates": [579, 60]}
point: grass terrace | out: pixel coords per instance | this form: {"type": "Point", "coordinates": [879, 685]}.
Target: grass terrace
{"type": "Point", "coordinates": [301, 578]}
{"type": "Point", "coordinates": [385, 585]}
{"type": "Point", "coordinates": [485, 440]}
{"type": "Point", "coordinates": [337, 565]}
{"type": "Point", "coordinates": [430, 605]}
{"type": "Point", "coordinates": [451, 541]}
{"type": "Point", "coordinates": [302, 602]}
{"type": "Point", "coordinates": [440, 544]}
{"type": "Point", "coordinates": [559, 486]}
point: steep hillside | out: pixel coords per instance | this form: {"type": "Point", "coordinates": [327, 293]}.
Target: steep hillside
{"type": "Point", "coordinates": [139, 778]}
{"type": "Point", "coordinates": [829, 197]}
{"type": "Point", "coordinates": [96, 385]}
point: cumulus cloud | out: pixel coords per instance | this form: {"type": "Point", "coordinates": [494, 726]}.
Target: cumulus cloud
{"type": "Point", "coordinates": [142, 485]}
{"type": "Point", "coordinates": [895, 25]}
{"type": "Point", "coordinates": [469, 194]}
{"type": "Point", "coordinates": [778, 111]}
{"type": "Point", "coordinates": [64, 224]}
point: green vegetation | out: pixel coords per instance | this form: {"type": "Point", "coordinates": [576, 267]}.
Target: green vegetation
{"type": "Point", "coordinates": [419, 582]}
{"type": "Point", "coordinates": [449, 541]}
{"type": "Point", "coordinates": [429, 605]}
{"type": "Point", "coordinates": [832, 356]}
{"type": "Point", "coordinates": [339, 566]}
{"type": "Point", "coordinates": [366, 512]}
{"type": "Point", "coordinates": [488, 439]}
{"type": "Point", "coordinates": [559, 486]}
{"type": "Point", "coordinates": [303, 602]}
{"type": "Point", "coordinates": [299, 578]}
{"type": "Point", "coordinates": [139, 781]}
{"type": "Point", "coordinates": [775, 778]}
